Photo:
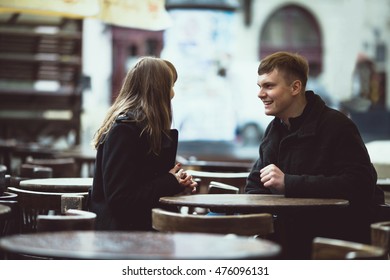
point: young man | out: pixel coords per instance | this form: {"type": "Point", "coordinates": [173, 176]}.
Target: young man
{"type": "Point", "coordinates": [311, 150]}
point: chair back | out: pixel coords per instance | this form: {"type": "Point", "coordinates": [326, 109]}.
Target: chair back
{"type": "Point", "coordinates": [217, 166]}
{"type": "Point", "coordinates": [221, 188]}
{"type": "Point", "coordinates": [73, 219]}
{"type": "Point", "coordinates": [237, 179]}
{"type": "Point", "coordinates": [242, 224]}
{"type": "Point", "coordinates": [380, 235]}
{"type": "Point", "coordinates": [8, 220]}
{"type": "Point", "coordinates": [9, 224]}
{"type": "Point", "coordinates": [34, 203]}
{"type": "Point", "coordinates": [62, 167]}
{"type": "Point", "coordinates": [8, 196]}
{"type": "Point", "coordinates": [28, 171]}
{"type": "Point", "coordinates": [335, 249]}
{"type": "Point", "coordinates": [3, 186]}
{"type": "Point", "coordinates": [32, 171]}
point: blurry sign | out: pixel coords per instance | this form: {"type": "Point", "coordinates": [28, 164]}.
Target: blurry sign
{"type": "Point", "coordinates": [146, 14]}
{"type": "Point", "coordinates": [66, 8]}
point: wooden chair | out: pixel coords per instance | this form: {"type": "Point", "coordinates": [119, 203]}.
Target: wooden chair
{"type": "Point", "coordinates": [5, 212]}
{"type": "Point", "coordinates": [221, 188]}
{"type": "Point", "coordinates": [62, 167]}
{"type": "Point", "coordinates": [213, 188]}
{"type": "Point", "coordinates": [243, 224]}
{"type": "Point", "coordinates": [8, 196]}
{"type": "Point", "coordinates": [3, 171]}
{"type": "Point", "coordinates": [216, 166]}
{"type": "Point", "coordinates": [8, 220]}
{"type": "Point", "coordinates": [380, 236]}
{"type": "Point", "coordinates": [10, 224]}
{"type": "Point", "coordinates": [334, 249]}
{"type": "Point", "coordinates": [237, 179]}
{"type": "Point", "coordinates": [72, 219]}
{"type": "Point", "coordinates": [32, 171]}
{"type": "Point", "coordinates": [28, 171]}
{"type": "Point", "coordinates": [33, 203]}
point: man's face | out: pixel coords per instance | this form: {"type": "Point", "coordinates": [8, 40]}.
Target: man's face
{"type": "Point", "coordinates": [276, 95]}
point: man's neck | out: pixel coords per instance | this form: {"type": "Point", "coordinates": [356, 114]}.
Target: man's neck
{"type": "Point", "coordinates": [296, 110]}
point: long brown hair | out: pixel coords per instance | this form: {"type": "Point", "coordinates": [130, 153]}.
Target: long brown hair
{"type": "Point", "coordinates": [145, 94]}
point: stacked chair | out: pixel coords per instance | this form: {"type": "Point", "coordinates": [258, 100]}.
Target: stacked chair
{"type": "Point", "coordinates": [335, 249]}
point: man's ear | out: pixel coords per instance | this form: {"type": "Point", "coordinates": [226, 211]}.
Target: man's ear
{"type": "Point", "coordinates": [296, 87]}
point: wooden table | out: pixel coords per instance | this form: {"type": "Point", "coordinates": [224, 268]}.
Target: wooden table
{"type": "Point", "coordinates": [252, 203]}
{"type": "Point", "coordinates": [287, 211]}
{"type": "Point", "coordinates": [138, 245]}
{"type": "Point", "coordinates": [57, 184]}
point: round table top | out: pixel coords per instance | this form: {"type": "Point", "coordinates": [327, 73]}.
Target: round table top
{"type": "Point", "coordinates": [139, 245]}
{"type": "Point", "coordinates": [4, 209]}
{"type": "Point", "coordinates": [57, 184]}
{"type": "Point", "coordinates": [251, 202]}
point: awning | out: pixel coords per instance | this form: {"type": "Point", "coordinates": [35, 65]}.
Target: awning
{"type": "Point", "coordinates": [145, 14]}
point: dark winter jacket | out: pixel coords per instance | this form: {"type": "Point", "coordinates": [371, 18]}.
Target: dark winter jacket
{"type": "Point", "coordinates": [322, 156]}
{"type": "Point", "coordinates": [129, 180]}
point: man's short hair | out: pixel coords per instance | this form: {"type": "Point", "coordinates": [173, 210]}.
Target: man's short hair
{"type": "Point", "coordinates": [292, 65]}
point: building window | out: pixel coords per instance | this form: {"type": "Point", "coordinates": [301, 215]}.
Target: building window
{"type": "Point", "coordinates": [292, 28]}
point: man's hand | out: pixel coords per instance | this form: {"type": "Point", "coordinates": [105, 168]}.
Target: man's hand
{"type": "Point", "coordinates": [273, 178]}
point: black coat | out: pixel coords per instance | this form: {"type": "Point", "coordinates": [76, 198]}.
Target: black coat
{"type": "Point", "coordinates": [128, 180]}
{"type": "Point", "coordinates": [323, 157]}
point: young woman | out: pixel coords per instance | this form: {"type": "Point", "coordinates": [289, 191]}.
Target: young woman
{"type": "Point", "coordinates": [136, 150]}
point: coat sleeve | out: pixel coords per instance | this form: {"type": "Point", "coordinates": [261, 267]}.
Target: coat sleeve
{"type": "Point", "coordinates": [124, 189]}
{"type": "Point", "coordinates": [253, 183]}
{"type": "Point", "coordinates": [352, 175]}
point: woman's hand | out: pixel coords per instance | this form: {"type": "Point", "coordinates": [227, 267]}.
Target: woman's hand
{"type": "Point", "coordinates": [184, 179]}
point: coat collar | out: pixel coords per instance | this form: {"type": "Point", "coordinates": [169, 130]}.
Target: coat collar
{"type": "Point", "coordinates": [310, 116]}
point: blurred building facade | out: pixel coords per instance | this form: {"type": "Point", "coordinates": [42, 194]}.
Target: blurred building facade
{"type": "Point", "coordinates": [217, 45]}
{"type": "Point", "coordinates": [346, 41]}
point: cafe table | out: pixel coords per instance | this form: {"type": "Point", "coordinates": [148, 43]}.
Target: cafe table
{"type": "Point", "coordinates": [57, 184]}
{"type": "Point", "coordinates": [252, 203]}
{"type": "Point", "coordinates": [285, 210]}
{"type": "Point", "coordinates": [110, 245]}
